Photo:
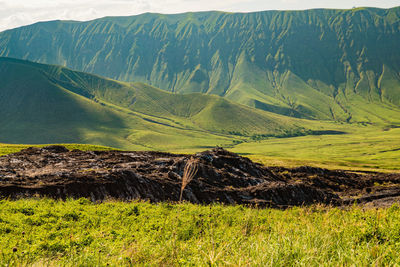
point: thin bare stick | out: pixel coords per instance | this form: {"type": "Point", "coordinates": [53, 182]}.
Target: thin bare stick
{"type": "Point", "coordinates": [189, 172]}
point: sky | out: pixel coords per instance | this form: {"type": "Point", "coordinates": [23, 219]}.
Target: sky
{"type": "Point", "coordinates": [15, 13]}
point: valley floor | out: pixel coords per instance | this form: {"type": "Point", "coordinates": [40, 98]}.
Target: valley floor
{"type": "Point", "coordinates": [79, 233]}
{"type": "Point", "coordinates": [375, 148]}
{"type": "Point", "coordinates": [362, 148]}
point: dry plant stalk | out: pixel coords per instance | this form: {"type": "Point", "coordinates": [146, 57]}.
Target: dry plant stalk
{"type": "Point", "coordinates": [189, 172]}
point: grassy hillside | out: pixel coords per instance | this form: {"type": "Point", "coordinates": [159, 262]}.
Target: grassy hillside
{"type": "Point", "coordinates": [51, 104]}
{"type": "Point", "coordinates": [338, 65]}
{"type": "Point", "coordinates": [80, 233]}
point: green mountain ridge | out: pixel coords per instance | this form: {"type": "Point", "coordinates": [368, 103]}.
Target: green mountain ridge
{"type": "Point", "coordinates": [321, 64]}
{"type": "Point", "coordinates": [51, 104]}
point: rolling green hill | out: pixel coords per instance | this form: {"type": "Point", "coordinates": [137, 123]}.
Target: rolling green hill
{"type": "Point", "coordinates": [51, 104]}
{"type": "Point", "coordinates": [341, 65]}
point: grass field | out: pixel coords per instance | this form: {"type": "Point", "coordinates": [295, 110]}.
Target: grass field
{"type": "Point", "coordinates": [362, 148]}
{"type": "Point", "coordinates": [80, 233]}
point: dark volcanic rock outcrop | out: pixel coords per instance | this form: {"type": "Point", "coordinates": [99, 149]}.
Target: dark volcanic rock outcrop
{"type": "Point", "coordinates": [220, 176]}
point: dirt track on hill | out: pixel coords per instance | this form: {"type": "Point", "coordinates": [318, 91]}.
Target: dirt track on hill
{"type": "Point", "coordinates": [221, 176]}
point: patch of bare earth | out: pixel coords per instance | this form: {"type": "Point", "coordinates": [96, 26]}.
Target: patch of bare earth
{"type": "Point", "coordinates": [218, 176]}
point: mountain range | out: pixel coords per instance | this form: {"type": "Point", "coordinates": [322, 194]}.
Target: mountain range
{"type": "Point", "coordinates": [322, 64]}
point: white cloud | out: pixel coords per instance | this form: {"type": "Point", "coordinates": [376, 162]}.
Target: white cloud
{"type": "Point", "coordinates": [14, 13]}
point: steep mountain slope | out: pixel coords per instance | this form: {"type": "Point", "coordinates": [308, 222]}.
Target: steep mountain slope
{"type": "Point", "coordinates": [46, 104]}
{"type": "Point", "coordinates": [320, 64]}
{"type": "Point", "coordinates": [35, 110]}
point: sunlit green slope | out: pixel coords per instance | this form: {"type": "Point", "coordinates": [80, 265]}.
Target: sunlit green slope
{"type": "Point", "coordinates": [51, 104]}
{"type": "Point", "coordinates": [339, 65]}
